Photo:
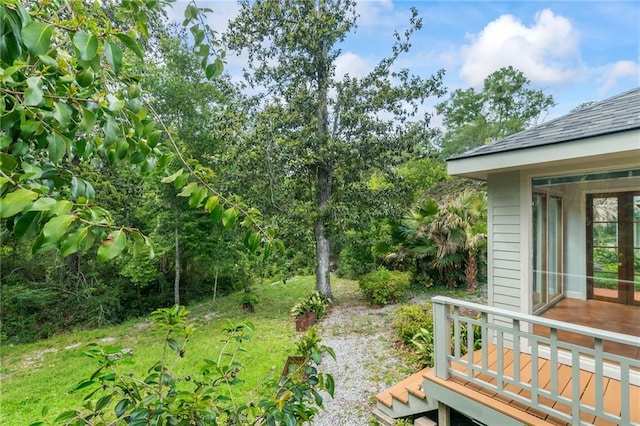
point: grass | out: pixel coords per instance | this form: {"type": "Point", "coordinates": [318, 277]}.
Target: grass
{"type": "Point", "coordinates": [41, 375]}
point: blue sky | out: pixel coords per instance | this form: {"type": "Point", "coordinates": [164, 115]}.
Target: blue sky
{"type": "Point", "coordinates": [577, 51]}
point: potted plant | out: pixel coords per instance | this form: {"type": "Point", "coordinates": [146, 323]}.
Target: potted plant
{"type": "Point", "coordinates": [309, 310]}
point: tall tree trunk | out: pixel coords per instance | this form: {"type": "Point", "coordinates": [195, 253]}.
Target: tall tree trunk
{"type": "Point", "coordinates": [324, 172]}
{"type": "Point", "coordinates": [323, 244]}
{"type": "Point", "coordinates": [176, 281]}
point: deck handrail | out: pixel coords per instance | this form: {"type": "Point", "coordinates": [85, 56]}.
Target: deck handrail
{"type": "Point", "coordinates": [509, 332]}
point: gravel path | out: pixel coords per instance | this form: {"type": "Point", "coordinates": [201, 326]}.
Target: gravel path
{"type": "Point", "coordinates": [366, 361]}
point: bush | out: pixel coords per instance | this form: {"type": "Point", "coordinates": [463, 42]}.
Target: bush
{"type": "Point", "coordinates": [410, 319]}
{"type": "Point", "coordinates": [383, 286]}
{"type": "Point", "coordinates": [414, 325]}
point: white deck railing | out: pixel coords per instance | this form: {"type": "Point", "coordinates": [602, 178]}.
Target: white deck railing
{"type": "Point", "coordinates": [512, 330]}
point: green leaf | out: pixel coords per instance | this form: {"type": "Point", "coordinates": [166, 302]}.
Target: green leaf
{"type": "Point", "coordinates": [131, 44]}
{"type": "Point", "coordinates": [187, 190]}
{"type": "Point", "coordinates": [196, 197]}
{"type": "Point", "coordinates": [37, 37]}
{"type": "Point", "coordinates": [28, 226]}
{"type": "Point", "coordinates": [112, 246]}
{"type": "Point", "coordinates": [113, 54]}
{"type": "Point", "coordinates": [251, 240]}
{"type": "Point", "coordinates": [73, 242]}
{"type": "Point", "coordinates": [86, 44]}
{"type": "Point", "coordinates": [57, 147]}
{"type": "Point", "coordinates": [121, 407]}
{"type": "Point", "coordinates": [67, 415]}
{"type": "Point", "coordinates": [55, 228]}
{"type": "Point", "coordinates": [16, 201]}
{"type": "Point", "coordinates": [111, 131]}
{"type": "Point", "coordinates": [267, 251]}
{"type": "Point", "coordinates": [84, 384]}
{"type": "Point", "coordinates": [216, 213]}
{"type": "Point", "coordinates": [103, 402]}
{"type": "Point", "coordinates": [173, 177]}
{"type": "Point", "coordinates": [61, 114]}
{"type": "Point", "coordinates": [211, 203]}
{"type": "Point", "coordinates": [115, 104]}
{"type": "Point", "coordinates": [33, 95]}
{"type": "Point", "coordinates": [214, 69]}
{"type": "Point", "coordinates": [88, 120]}
{"type": "Point", "coordinates": [85, 77]}
{"type": "Point", "coordinates": [154, 138]}
{"type": "Point", "coordinates": [229, 217]}
{"type": "Point", "coordinates": [5, 141]}
{"type": "Point", "coordinates": [173, 345]}
{"type": "Point", "coordinates": [62, 207]}
{"type": "Point", "coordinates": [181, 181]}
{"type": "Point", "coordinates": [43, 204]}
{"type": "Point", "coordinates": [330, 384]}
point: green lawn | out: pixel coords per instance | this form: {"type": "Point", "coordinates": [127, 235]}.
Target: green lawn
{"type": "Point", "coordinates": [42, 374]}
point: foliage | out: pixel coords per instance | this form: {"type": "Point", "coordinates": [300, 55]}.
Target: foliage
{"type": "Point", "coordinates": [414, 325]}
{"type": "Point", "coordinates": [314, 302]}
{"type": "Point", "coordinates": [409, 319]}
{"type": "Point", "coordinates": [382, 286]}
{"type": "Point", "coordinates": [71, 96]}
{"type": "Point", "coordinates": [422, 344]}
{"type": "Point", "coordinates": [320, 148]}
{"type": "Point", "coordinates": [506, 105]}
{"type": "Point", "coordinates": [446, 242]}
{"type": "Point", "coordinates": [201, 398]}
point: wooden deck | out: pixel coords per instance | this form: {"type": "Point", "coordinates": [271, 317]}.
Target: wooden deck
{"type": "Point", "coordinates": [611, 389]}
{"type": "Point", "coordinates": [597, 314]}
{"type": "Point", "coordinates": [511, 396]}
{"type": "Point", "coordinates": [526, 414]}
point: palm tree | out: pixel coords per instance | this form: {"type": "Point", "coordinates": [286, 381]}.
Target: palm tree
{"type": "Point", "coordinates": [448, 237]}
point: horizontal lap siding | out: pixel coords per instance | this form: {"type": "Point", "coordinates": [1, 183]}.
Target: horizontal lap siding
{"type": "Point", "coordinates": [504, 208]}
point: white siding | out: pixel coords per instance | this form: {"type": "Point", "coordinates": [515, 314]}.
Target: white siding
{"type": "Point", "coordinates": [504, 252]}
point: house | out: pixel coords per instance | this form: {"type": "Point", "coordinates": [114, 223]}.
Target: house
{"type": "Point", "coordinates": [561, 331]}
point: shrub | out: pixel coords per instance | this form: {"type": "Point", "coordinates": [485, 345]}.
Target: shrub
{"type": "Point", "coordinates": [383, 286]}
{"type": "Point", "coordinates": [414, 325]}
{"type": "Point", "coordinates": [410, 319]}
{"type": "Point", "coordinates": [314, 302]}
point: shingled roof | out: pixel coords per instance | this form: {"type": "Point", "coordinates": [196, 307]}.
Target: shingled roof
{"type": "Point", "coordinates": [616, 114]}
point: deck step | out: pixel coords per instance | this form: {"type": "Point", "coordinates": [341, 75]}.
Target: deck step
{"type": "Point", "coordinates": [424, 421]}
{"type": "Point", "coordinates": [382, 418]}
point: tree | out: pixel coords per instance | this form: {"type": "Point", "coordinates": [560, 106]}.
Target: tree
{"type": "Point", "coordinates": [445, 238]}
{"type": "Point", "coordinates": [71, 93]}
{"type": "Point", "coordinates": [506, 105]}
{"type": "Point", "coordinates": [326, 133]}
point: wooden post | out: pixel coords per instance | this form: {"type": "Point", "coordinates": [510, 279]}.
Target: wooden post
{"type": "Point", "coordinates": [441, 338]}
{"type": "Point", "coordinates": [444, 415]}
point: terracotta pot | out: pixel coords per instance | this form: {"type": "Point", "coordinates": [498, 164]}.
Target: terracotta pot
{"type": "Point", "coordinates": [306, 320]}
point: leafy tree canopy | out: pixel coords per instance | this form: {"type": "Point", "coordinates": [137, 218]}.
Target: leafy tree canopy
{"type": "Point", "coordinates": [505, 105]}
{"type": "Point", "coordinates": [326, 134]}
{"type": "Point", "coordinates": [71, 95]}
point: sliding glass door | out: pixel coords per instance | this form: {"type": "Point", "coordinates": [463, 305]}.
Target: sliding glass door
{"type": "Point", "coordinates": [547, 249]}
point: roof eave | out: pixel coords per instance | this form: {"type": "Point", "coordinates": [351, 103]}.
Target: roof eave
{"type": "Point", "coordinates": [605, 146]}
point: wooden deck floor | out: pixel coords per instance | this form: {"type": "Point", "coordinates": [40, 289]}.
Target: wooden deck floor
{"type": "Point", "coordinates": [611, 389]}
{"type": "Point", "coordinates": [598, 314]}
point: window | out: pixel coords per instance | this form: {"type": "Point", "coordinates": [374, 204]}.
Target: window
{"type": "Point", "coordinates": [547, 249]}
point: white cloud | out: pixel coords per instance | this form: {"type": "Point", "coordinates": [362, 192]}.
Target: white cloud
{"type": "Point", "coordinates": [352, 64]}
{"type": "Point", "coordinates": [546, 52]}
{"type": "Point", "coordinates": [618, 71]}
{"type": "Point", "coordinates": [371, 12]}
